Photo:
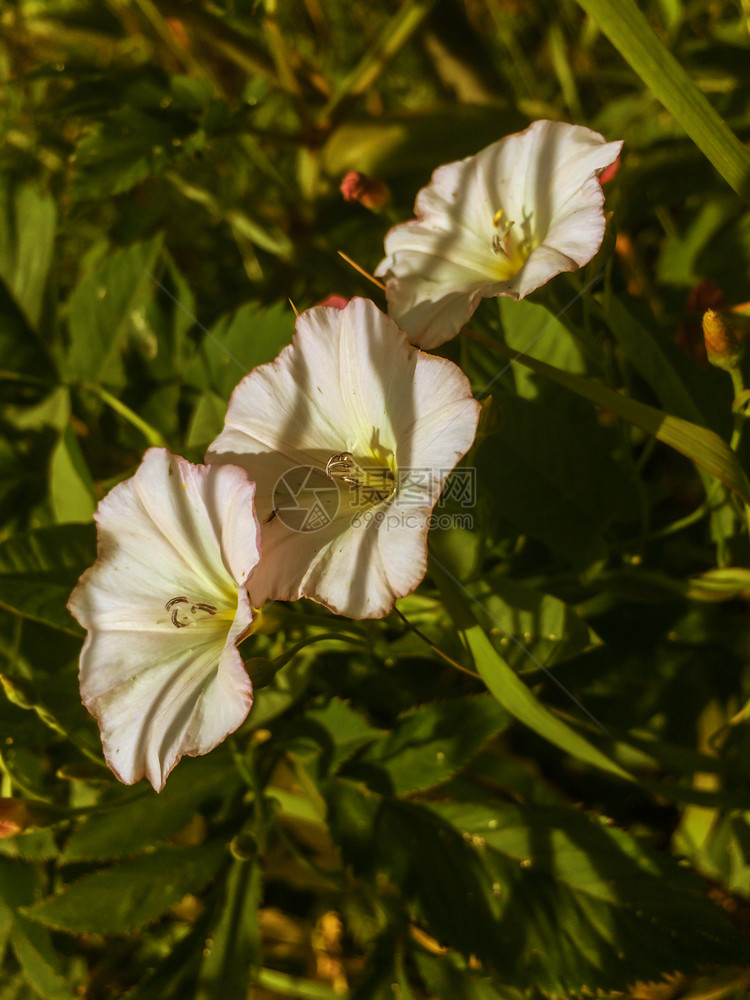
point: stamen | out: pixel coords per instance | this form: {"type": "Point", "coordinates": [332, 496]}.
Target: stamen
{"type": "Point", "coordinates": [191, 612]}
{"type": "Point", "coordinates": [375, 484]}
{"type": "Point", "coordinates": [501, 240]}
{"type": "Point", "coordinates": [342, 466]}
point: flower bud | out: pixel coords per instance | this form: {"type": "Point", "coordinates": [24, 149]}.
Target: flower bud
{"type": "Point", "coordinates": [723, 344]}
{"type": "Point", "coordinates": [335, 302]}
{"type": "Point", "coordinates": [609, 172]}
{"type": "Point", "coordinates": [368, 191]}
{"type": "Point", "coordinates": [14, 817]}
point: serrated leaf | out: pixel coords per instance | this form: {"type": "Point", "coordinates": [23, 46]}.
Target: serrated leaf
{"type": "Point", "coordinates": [238, 343]}
{"type": "Point", "coordinates": [626, 911]}
{"type": "Point", "coordinates": [130, 896]}
{"type": "Point", "coordinates": [100, 312]}
{"type": "Point", "coordinates": [449, 978]}
{"type": "Point", "coordinates": [131, 826]}
{"type": "Point", "coordinates": [347, 731]}
{"type": "Point", "coordinates": [428, 744]}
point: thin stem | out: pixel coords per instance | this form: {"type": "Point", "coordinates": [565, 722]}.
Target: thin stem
{"type": "Point", "coordinates": [436, 649]}
{"type": "Point", "coordinates": [151, 434]}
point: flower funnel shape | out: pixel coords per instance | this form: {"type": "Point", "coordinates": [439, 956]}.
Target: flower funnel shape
{"type": "Point", "coordinates": [350, 435]}
{"type": "Point", "coordinates": [165, 606]}
{"type": "Point", "coordinates": [502, 222]}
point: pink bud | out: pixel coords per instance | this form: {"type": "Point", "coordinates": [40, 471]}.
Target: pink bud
{"type": "Point", "coordinates": [368, 191]}
{"type": "Point", "coordinates": [609, 172]}
{"type": "Point", "coordinates": [335, 301]}
{"type": "Point", "coordinates": [14, 817]}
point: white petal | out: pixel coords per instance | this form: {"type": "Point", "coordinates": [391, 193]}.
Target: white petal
{"type": "Point", "coordinates": [158, 697]}
{"type": "Point", "coordinates": [544, 180]}
{"type": "Point", "coordinates": [364, 390]}
{"type": "Point", "coordinates": [164, 605]}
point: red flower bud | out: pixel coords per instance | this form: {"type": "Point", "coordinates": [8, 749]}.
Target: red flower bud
{"type": "Point", "coordinates": [14, 817]}
{"type": "Point", "coordinates": [368, 191]}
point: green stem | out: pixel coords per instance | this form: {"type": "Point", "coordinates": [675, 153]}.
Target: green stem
{"type": "Point", "coordinates": [294, 988]}
{"type": "Point", "coordinates": [151, 434]}
{"type": "Point", "coordinates": [738, 386]}
{"type": "Point", "coordinates": [739, 421]}
{"type": "Point", "coordinates": [434, 648]}
{"type": "Point", "coordinates": [396, 34]}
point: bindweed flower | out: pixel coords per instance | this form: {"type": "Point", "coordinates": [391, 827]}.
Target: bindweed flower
{"type": "Point", "coordinates": [502, 222]}
{"type": "Point", "coordinates": [165, 606]}
{"type": "Point", "coordinates": [350, 435]}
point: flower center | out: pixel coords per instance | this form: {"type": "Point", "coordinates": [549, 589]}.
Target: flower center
{"type": "Point", "coordinates": [511, 249]}
{"type": "Point", "coordinates": [186, 612]}
{"type": "Point", "coordinates": [371, 484]}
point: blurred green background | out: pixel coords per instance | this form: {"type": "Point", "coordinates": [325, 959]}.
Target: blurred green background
{"type": "Point", "coordinates": [381, 827]}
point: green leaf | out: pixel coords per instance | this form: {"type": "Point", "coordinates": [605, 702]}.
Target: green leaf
{"type": "Point", "coordinates": [130, 896]}
{"type": "Point", "coordinates": [582, 904]}
{"type": "Point", "coordinates": [546, 629]}
{"type": "Point", "coordinates": [395, 144]}
{"type": "Point", "coordinates": [123, 150]}
{"type": "Point", "coordinates": [207, 420]}
{"type": "Point", "coordinates": [508, 688]}
{"type": "Point", "coordinates": [448, 978]}
{"type": "Point", "coordinates": [553, 479]}
{"type": "Point", "coordinates": [699, 444]}
{"type": "Point", "coordinates": [71, 486]}
{"type": "Point", "coordinates": [429, 744]}
{"type": "Point", "coordinates": [101, 310]}
{"type": "Point", "coordinates": [680, 386]}
{"type": "Point", "coordinates": [346, 731]}
{"type": "Point", "coordinates": [235, 949]}
{"type": "Point", "coordinates": [131, 826]}
{"type": "Point", "coordinates": [537, 331]}
{"type": "Point", "coordinates": [629, 31]}
{"type": "Point", "coordinates": [39, 601]}
{"type": "Point", "coordinates": [38, 960]}
{"type": "Point", "coordinates": [39, 569]}
{"type": "Point", "coordinates": [28, 221]}
{"type": "Point", "coordinates": [19, 887]}
{"type": "Point", "coordinates": [238, 343]}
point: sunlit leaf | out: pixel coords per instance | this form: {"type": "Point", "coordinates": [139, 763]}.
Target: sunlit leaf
{"type": "Point", "coordinates": [135, 893]}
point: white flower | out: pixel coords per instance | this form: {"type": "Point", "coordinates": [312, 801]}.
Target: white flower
{"type": "Point", "coordinates": [165, 606]}
{"type": "Point", "coordinates": [502, 222]}
{"type": "Point", "coordinates": [350, 435]}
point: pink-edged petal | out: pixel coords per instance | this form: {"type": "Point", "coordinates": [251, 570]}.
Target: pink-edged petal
{"type": "Point", "coordinates": [543, 180]}
{"type": "Point", "coordinates": [164, 605]}
{"type": "Point", "coordinates": [365, 390]}
{"type": "Point", "coordinates": [159, 697]}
